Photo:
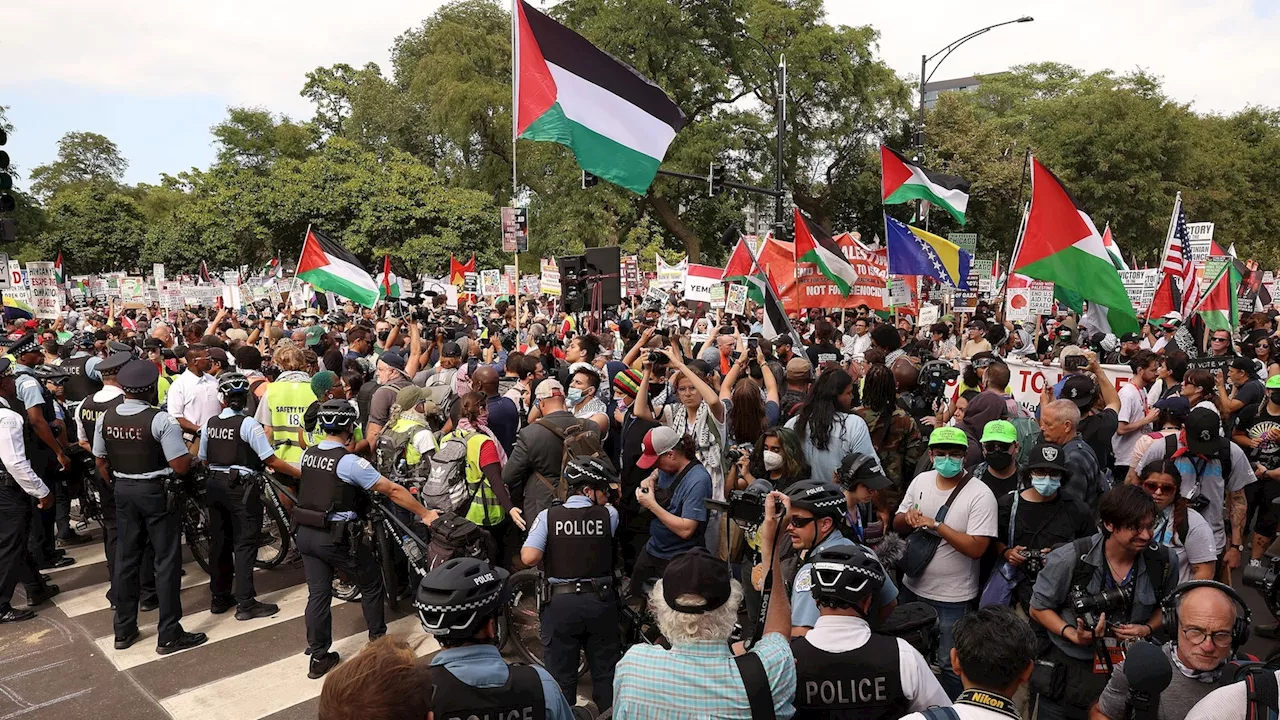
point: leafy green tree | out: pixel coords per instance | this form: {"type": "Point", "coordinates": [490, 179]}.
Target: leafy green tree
{"type": "Point", "coordinates": [83, 157]}
{"type": "Point", "coordinates": [95, 226]}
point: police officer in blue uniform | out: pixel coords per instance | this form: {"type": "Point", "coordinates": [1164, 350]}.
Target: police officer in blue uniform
{"type": "Point", "coordinates": [82, 370]}
{"type": "Point", "coordinates": [458, 602]}
{"type": "Point", "coordinates": [237, 449]}
{"type": "Point", "coordinates": [91, 408]}
{"type": "Point", "coordinates": [329, 530]}
{"type": "Point", "coordinates": [574, 543]}
{"type": "Point", "coordinates": [46, 451]}
{"type": "Point", "coordinates": [139, 449]}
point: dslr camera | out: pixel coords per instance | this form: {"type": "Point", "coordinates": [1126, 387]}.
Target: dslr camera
{"type": "Point", "coordinates": [746, 507]}
{"type": "Point", "coordinates": [1089, 607]}
{"type": "Point", "coordinates": [1033, 561]}
{"type": "Point", "coordinates": [1264, 578]}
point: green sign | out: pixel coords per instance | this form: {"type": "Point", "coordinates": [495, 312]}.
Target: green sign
{"type": "Point", "coordinates": [967, 241]}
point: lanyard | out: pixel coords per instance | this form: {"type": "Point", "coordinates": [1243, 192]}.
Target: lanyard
{"type": "Point", "coordinates": [1127, 577]}
{"type": "Point", "coordinates": [989, 700]}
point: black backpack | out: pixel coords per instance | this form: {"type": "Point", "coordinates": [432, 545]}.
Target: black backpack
{"type": "Point", "coordinates": [1156, 558]}
{"type": "Point", "coordinates": [1224, 456]}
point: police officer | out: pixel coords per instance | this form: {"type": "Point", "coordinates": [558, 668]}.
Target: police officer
{"type": "Point", "coordinates": [18, 485]}
{"type": "Point", "coordinates": [237, 449]}
{"type": "Point", "coordinates": [139, 448]}
{"type": "Point", "coordinates": [91, 408]}
{"type": "Point", "coordinates": [327, 517]}
{"type": "Point", "coordinates": [574, 542]}
{"type": "Point", "coordinates": [82, 368]}
{"type": "Point", "coordinates": [46, 450]}
{"type": "Point", "coordinates": [458, 602]}
{"type": "Point", "coordinates": [843, 669]}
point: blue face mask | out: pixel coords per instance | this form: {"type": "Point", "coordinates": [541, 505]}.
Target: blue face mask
{"type": "Point", "coordinates": [948, 467]}
{"type": "Point", "coordinates": [573, 396]}
{"type": "Point", "coordinates": [1046, 485]}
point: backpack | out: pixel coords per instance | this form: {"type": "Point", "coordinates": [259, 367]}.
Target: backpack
{"type": "Point", "coordinates": [457, 537]}
{"type": "Point", "coordinates": [577, 439]}
{"type": "Point", "coordinates": [446, 486]}
{"type": "Point", "coordinates": [1262, 694]}
{"type": "Point", "coordinates": [389, 452]}
{"type": "Point", "coordinates": [440, 389]}
{"type": "Point", "coordinates": [1028, 436]}
{"type": "Point", "coordinates": [1224, 457]}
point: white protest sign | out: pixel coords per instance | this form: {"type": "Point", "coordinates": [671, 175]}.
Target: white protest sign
{"type": "Point", "coordinates": [670, 276]}
{"type": "Point", "coordinates": [133, 289]}
{"type": "Point", "coordinates": [44, 290]}
{"type": "Point", "coordinates": [549, 281]}
{"type": "Point", "coordinates": [491, 283]}
{"type": "Point", "coordinates": [736, 300]}
{"type": "Point", "coordinates": [451, 297]}
{"type": "Point", "coordinates": [1027, 380]}
{"type": "Point", "coordinates": [699, 279]}
{"type": "Point", "coordinates": [899, 292]}
{"type": "Point", "coordinates": [157, 269]}
{"type": "Point", "coordinates": [929, 315]}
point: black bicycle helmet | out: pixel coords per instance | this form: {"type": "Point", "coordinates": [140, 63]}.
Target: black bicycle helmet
{"type": "Point", "coordinates": [587, 471]}
{"type": "Point", "coordinates": [233, 383]}
{"type": "Point", "coordinates": [845, 573]}
{"type": "Point", "coordinates": [336, 415]}
{"type": "Point", "coordinates": [457, 598]}
{"type": "Point", "coordinates": [50, 373]}
{"type": "Point", "coordinates": [859, 469]}
{"type": "Point", "coordinates": [823, 499]}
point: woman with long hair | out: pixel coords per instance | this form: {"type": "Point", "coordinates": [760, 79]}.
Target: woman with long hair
{"type": "Point", "coordinates": [1201, 389]}
{"type": "Point", "coordinates": [894, 433]}
{"type": "Point", "coordinates": [1267, 353]}
{"type": "Point", "coordinates": [1178, 527]}
{"type": "Point", "coordinates": [1173, 413]}
{"type": "Point", "coordinates": [776, 457]}
{"type": "Point", "coordinates": [828, 427]}
{"type": "Point", "coordinates": [699, 414]}
{"type": "Point", "coordinates": [748, 412]}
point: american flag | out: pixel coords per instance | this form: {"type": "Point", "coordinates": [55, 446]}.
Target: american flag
{"type": "Point", "coordinates": [1177, 260]}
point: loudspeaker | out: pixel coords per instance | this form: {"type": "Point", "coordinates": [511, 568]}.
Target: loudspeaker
{"type": "Point", "coordinates": [605, 261]}
{"type": "Point", "coordinates": [570, 267]}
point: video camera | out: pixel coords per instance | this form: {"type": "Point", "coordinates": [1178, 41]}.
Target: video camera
{"type": "Point", "coordinates": [746, 507]}
{"type": "Point", "coordinates": [933, 378]}
{"type": "Point", "coordinates": [1264, 578]}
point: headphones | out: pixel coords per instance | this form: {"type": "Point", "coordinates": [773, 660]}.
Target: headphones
{"type": "Point", "coordinates": [1239, 630]}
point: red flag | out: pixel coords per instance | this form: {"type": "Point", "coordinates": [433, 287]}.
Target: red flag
{"type": "Point", "coordinates": [1166, 298]}
{"type": "Point", "coordinates": [740, 264]}
{"type": "Point", "coordinates": [458, 271]}
{"type": "Point", "coordinates": [386, 275]}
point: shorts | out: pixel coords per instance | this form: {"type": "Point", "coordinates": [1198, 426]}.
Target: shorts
{"type": "Point", "coordinates": [1267, 516]}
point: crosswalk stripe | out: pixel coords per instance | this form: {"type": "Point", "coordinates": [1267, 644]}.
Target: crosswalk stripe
{"type": "Point", "coordinates": [292, 602]}
{"type": "Point", "coordinates": [93, 598]}
{"type": "Point", "coordinates": [90, 553]}
{"type": "Point", "coordinates": [276, 686]}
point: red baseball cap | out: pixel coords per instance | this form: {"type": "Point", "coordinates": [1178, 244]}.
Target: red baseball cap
{"type": "Point", "coordinates": [658, 441]}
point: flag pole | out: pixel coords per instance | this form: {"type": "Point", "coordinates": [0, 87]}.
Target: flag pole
{"type": "Point", "coordinates": [294, 285]}
{"type": "Point", "coordinates": [515, 98]}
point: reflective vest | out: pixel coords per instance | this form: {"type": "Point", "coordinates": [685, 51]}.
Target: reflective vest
{"type": "Point", "coordinates": [162, 386]}
{"type": "Point", "coordinates": [485, 508]}
{"type": "Point", "coordinates": [288, 402]}
{"type": "Point", "coordinates": [410, 427]}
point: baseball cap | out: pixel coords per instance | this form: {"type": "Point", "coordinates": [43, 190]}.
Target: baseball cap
{"type": "Point", "coordinates": [1204, 432]}
{"type": "Point", "coordinates": [313, 335]}
{"type": "Point", "coordinates": [948, 436]}
{"type": "Point", "coordinates": [1080, 390]}
{"type": "Point", "coordinates": [1180, 406]}
{"type": "Point", "coordinates": [1130, 337]}
{"type": "Point", "coordinates": [658, 441]}
{"type": "Point", "coordinates": [394, 359]}
{"type": "Point", "coordinates": [1047, 456]}
{"type": "Point", "coordinates": [549, 389]}
{"type": "Point", "coordinates": [1273, 382]}
{"type": "Point", "coordinates": [451, 349]}
{"type": "Point", "coordinates": [1245, 365]}
{"type": "Point", "coordinates": [410, 395]}
{"type": "Point", "coordinates": [1001, 431]}
{"type": "Point", "coordinates": [696, 572]}
{"type": "Point", "coordinates": [237, 334]}
{"type": "Point", "coordinates": [798, 368]}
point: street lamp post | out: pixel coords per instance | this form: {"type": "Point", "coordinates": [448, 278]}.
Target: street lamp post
{"type": "Point", "coordinates": [926, 74]}
{"type": "Point", "coordinates": [780, 114]}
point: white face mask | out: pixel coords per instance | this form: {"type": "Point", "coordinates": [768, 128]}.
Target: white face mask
{"type": "Point", "coordinates": [772, 460]}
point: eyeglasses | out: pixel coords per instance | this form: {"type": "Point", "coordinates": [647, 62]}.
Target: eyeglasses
{"type": "Point", "coordinates": [1222, 339]}
{"type": "Point", "coordinates": [1196, 636]}
{"type": "Point", "coordinates": [996, 446]}
{"type": "Point", "coordinates": [1159, 488]}
{"type": "Point", "coordinates": [799, 522]}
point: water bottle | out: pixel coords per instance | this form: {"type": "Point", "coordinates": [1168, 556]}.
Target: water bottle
{"type": "Point", "coordinates": [411, 549]}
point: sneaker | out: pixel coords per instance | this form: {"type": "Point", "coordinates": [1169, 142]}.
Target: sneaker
{"type": "Point", "coordinates": [124, 643]}
{"type": "Point", "coordinates": [321, 664]}
{"type": "Point", "coordinates": [219, 605]}
{"type": "Point", "coordinates": [256, 610]}
{"type": "Point", "coordinates": [185, 641]}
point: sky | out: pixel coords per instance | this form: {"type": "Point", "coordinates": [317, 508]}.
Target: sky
{"type": "Point", "coordinates": [154, 79]}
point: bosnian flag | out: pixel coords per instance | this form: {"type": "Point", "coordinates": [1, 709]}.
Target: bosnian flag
{"type": "Point", "coordinates": [329, 266]}
{"type": "Point", "coordinates": [615, 120]}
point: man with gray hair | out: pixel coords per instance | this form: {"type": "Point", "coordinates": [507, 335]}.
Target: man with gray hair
{"type": "Point", "coordinates": [1060, 423]}
{"type": "Point", "coordinates": [696, 605]}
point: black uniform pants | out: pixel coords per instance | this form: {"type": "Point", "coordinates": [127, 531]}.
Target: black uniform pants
{"type": "Point", "coordinates": [572, 623]}
{"type": "Point", "coordinates": [234, 528]}
{"type": "Point", "coordinates": [320, 557]}
{"type": "Point", "coordinates": [107, 504]}
{"type": "Point", "coordinates": [16, 564]}
{"type": "Point", "coordinates": [42, 543]}
{"type": "Point", "coordinates": [143, 519]}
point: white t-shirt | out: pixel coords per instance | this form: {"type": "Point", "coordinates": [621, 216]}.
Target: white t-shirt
{"type": "Point", "coordinates": [951, 576]}
{"type": "Point", "coordinates": [1225, 703]}
{"type": "Point", "coordinates": [1133, 407]}
{"type": "Point", "coordinates": [1197, 547]}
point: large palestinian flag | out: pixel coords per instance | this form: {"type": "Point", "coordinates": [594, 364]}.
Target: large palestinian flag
{"type": "Point", "coordinates": [1061, 245]}
{"type": "Point", "coordinates": [615, 120]}
{"type": "Point", "coordinates": [329, 266]}
{"type": "Point", "coordinates": [902, 181]}
{"type": "Point", "coordinates": [814, 245]}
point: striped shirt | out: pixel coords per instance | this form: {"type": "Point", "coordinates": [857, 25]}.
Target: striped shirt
{"type": "Point", "coordinates": [699, 680]}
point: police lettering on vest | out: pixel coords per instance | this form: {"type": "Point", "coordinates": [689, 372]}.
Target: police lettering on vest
{"type": "Point", "coordinates": [132, 448]}
{"type": "Point", "coordinates": [79, 385]}
{"type": "Point", "coordinates": [224, 445]}
{"type": "Point", "coordinates": [865, 683]}
{"type": "Point", "coordinates": [520, 698]}
{"type": "Point", "coordinates": [579, 543]}
{"type": "Point", "coordinates": [320, 490]}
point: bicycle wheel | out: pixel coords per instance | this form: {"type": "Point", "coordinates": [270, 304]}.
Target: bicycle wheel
{"type": "Point", "coordinates": [385, 551]}
{"type": "Point", "coordinates": [273, 542]}
{"type": "Point", "coordinates": [524, 626]}
{"type": "Point", "coordinates": [195, 526]}
{"type": "Point", "coordinates": [344, 590]}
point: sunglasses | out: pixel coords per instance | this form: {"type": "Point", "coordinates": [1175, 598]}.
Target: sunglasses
{"type": "Point", "coordinates": [1159, 488]}
{"type": "Point", "coordinates": [1220, 339]}
{"type": "Point", "coordinates": [799, 522]}
{"type": "Point", "coordinates": [996, 446]}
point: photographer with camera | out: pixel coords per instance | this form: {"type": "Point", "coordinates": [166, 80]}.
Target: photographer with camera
{"type": "Point", "coordinates": [1092, 595]}
{"type": "Point", "coordinates": [1034, 521]}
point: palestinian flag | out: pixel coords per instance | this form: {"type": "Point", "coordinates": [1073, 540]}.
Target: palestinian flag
{"type": "Point", "coordinates": [1061, 245]}
{"type": "Point", "coordinates": [742, 268]}
{"type": "Point", "coordinates": [814, 245]}
{"type": "Point", "coordinates": [615, 120]}
{"type": "Point", "coordinates": [458, 271]}
{"type": "Point", "coordinates": [1113, 250]}
{"type": "Point", "coordinates": [902, 181]}
{"type": "Point", "coordinates": [58, 273]}
{"type": "Point", "coordinates": [389, 286]}
{"type": "Point", "coordinates": [329, 266]}
{"type": "Point", "coordinates": [205, 277]}
{"type": "Point", "coordinates": [776, 323]}
{"type": "Point", "coordinates": [1219, 307]}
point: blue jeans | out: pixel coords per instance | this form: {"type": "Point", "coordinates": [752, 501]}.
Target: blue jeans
{"type": "Point", "coordinates": [948, 614]}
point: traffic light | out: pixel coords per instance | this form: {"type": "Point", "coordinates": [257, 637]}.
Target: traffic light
{"type": "Point", "coordinates": [7, 203]}
{"type": "Point", "coordinates": [589, 180]}
{"type": "Point", "coordinates": [715, 180]}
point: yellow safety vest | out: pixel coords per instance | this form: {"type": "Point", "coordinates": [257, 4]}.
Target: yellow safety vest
{"type": "Point", "coordinates": [288, 402]}
{"type": "Point", "coordinates": [163, 386]}
{"type": "Point", "coordinates": [485, 508]}
{"type": "Point", "coordinates": [411, 427]}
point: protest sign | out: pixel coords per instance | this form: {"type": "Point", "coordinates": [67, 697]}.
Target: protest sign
{"type": "Point", "coordinates": [170, 295]}
{"type": "Point", "coordinates": [1028, 379]}
{"type": "Point", "coordinates": [670, 276]}
{"type": "Point", "coordinates": [157, 271]}
{"type": "Point", "coordinates": [717, 296]}
{"type": "Point", "coordinates": [631, 274]}
{"type": "Point", "coordinates": [491, 284]}
{"type": "Point", "coordinates": [509, 276]}
{"type": "Point", "coordinates": [965, 241]}
{"type": "Point", "coordinates": [899, 292]}
{"type": "Point", "coordinates": [470, 283]}
{"type": "Point", "coordinates": [929, 315]}
{"type": "Point", "coordinates": [699, 279]}
{"type": "Point", "coordinates": [132, 290]}
{"type": "Point", "coordinates": [549, 280]}
{"type": "Point", "coordinates": [736, 300]}
{"type": "Point", "coordinates": [43, 278]}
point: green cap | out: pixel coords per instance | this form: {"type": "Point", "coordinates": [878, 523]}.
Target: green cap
{"type": "Point", "coordinates": [314, 333]}
{"type": "Point", "coordinates": [1000, 431]}
{"type": "Point", "coordinates": [1273, 382]}
{"type": "Point", "coordinates": [948, 436]}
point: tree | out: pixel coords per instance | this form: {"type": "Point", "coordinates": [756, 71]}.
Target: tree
{"type": "Point", "coordinates": [95, 225]}
{"type": "Point", "coordinates": [83, 157]}
{"type": "Point", "coordinates": [254, 138]}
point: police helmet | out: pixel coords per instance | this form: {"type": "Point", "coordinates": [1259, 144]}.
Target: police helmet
{"type": "Point", "coordinates": [845, 574]}
{"type": "Point", "coordinates": [457, 598]}
{"type": "Point", "coordinates": [336, 415]}
{"type": "Point", "coordinates": [823, 499]}
{"type": "Point", "coordinates": [233, 383]}
{"type": "Point", "coordinates": [587, 471]}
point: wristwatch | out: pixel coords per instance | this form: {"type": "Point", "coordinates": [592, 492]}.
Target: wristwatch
{"type": "Point", "coordinates": [1239, 548]}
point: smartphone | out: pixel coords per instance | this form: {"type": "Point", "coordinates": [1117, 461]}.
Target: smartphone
{"type": "Point", "coordinates": [753, 344]}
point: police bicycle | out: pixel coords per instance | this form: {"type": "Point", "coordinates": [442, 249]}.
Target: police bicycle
{"type": "Point", "coordinates": [274, 541]}
{"type": "Point", "coordinates": [88, 502]}
{"type": "Point", "coordinates": [189, 494]}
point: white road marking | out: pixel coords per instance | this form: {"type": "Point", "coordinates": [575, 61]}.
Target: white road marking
{"type": "Point", "coordinates": [93, 598]}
